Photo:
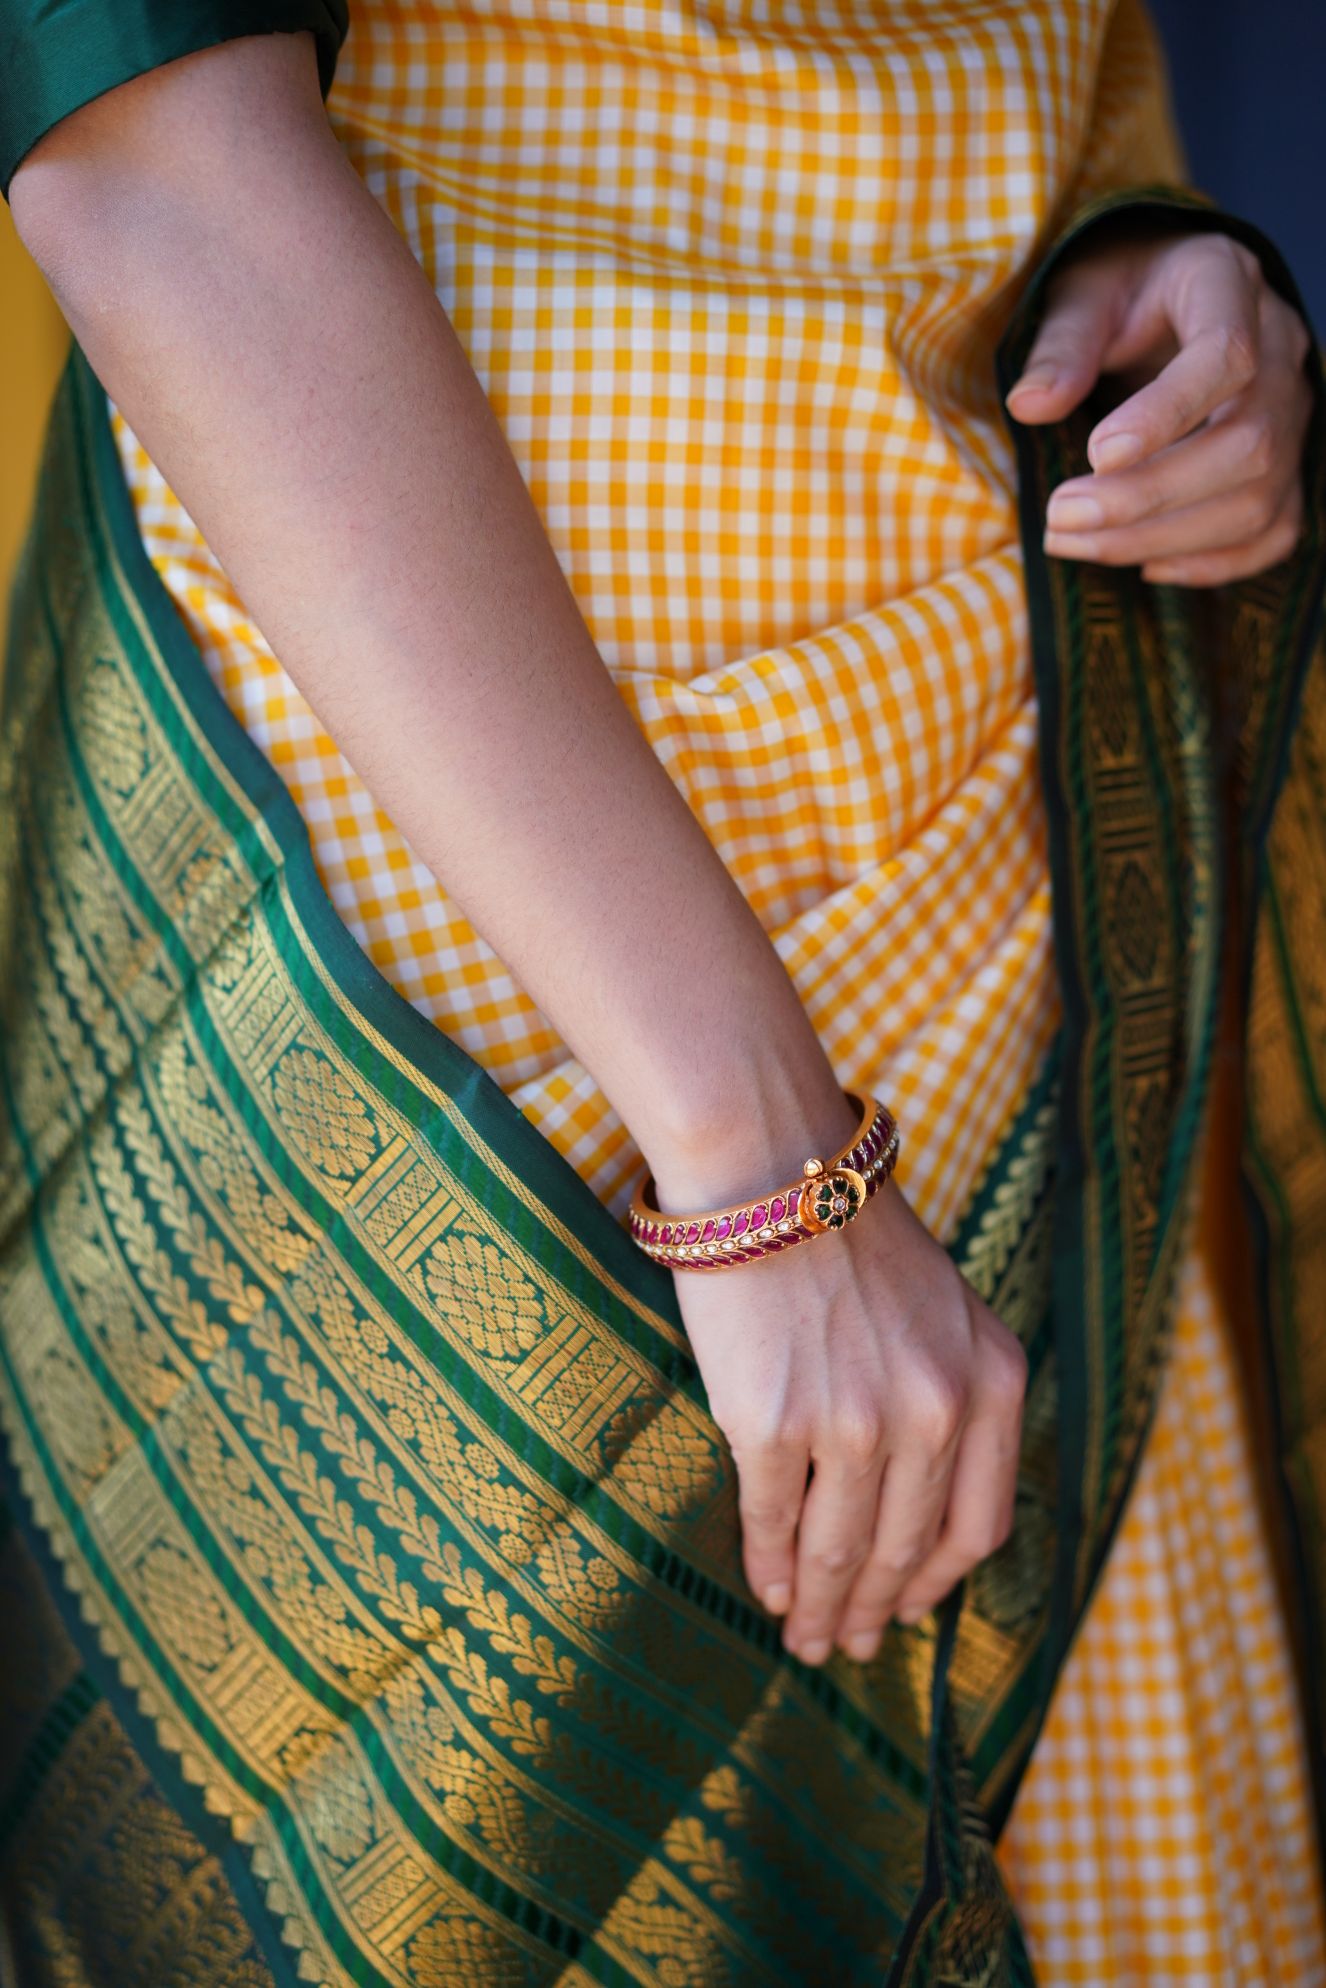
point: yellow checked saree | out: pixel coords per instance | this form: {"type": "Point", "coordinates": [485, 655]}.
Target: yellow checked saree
{"type": "Point", "coordinates": [370, 1555]}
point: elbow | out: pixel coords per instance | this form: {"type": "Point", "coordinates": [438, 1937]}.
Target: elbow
{"type": "Point", "coordinates": [104, 233]}
{"type": "Point", "coordinates": [64, 215]}
{"type": "Point", "coordinates": [150, 159]}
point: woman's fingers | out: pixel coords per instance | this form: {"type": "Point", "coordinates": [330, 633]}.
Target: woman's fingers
{"type": "Point", "coordinates": [911, 1509]}
{"type": "Point", "coordinates": [771, 1482]}
{"type": "Point", "coordinates": [1082, 315]}
{"type": "Point", "coordinates": [1237, 562]}
{"type": "Point", "coordinates": [860, 1370]}
{"type": "Point", "coordinates": [1196, 473]}
{"type": "Point", "coordinates": [1237, 518]}
{"type": "Point", "coordinates": [915, 1491]}
{"type": "Point", "coordinates": [1222, 487]}
{"type": "Point", "coordinates": [837, 1522]}
{"type": "Point", "coordinates": [1210, 293]}
{"type": "Point", "coordinates": [983, 1489]}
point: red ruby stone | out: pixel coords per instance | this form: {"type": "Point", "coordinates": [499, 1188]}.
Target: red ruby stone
{"type": "Point", "coordinates": [724, 1229]}
{"type": "Point", "coordinates": [708, 1234]}
{"type": "Point", "coordinates": [693, 1233]}
{"type": "Point", "coordinates": [792, 1200]}
{"type": "Point", "coordinates": [666, 1236]}
{"type": "Point", "coordinates": [741, 1223]}
{"type": "Point", "coordinates": [759, 1216]}
{"type": "Point", "coordinates": [776, 1208]}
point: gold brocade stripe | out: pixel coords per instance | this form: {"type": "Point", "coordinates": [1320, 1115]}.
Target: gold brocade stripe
{"type": "Point", "coordinates": [273, 869]}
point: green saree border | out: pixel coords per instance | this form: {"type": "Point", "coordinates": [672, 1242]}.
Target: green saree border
{"type": "Point", "coordinates": [1091, 1136]}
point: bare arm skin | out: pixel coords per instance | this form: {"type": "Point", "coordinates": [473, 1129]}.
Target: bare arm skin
{"type": "Point", "coordinates": [283, 358]}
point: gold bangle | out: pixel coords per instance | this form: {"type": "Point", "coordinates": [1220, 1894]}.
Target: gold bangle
{"type": "Point", "coordinates": [824, 1199]}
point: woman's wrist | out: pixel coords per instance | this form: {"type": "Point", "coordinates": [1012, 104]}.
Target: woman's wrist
{"type": "Point", "coordinates": [756, 1123]}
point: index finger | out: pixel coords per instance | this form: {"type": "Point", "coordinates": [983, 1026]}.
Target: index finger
{"type": "Point", "coordinates": [1216, 319]}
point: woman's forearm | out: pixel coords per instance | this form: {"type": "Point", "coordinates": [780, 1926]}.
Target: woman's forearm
{"type": "Point", "coordinates": [283, 359]}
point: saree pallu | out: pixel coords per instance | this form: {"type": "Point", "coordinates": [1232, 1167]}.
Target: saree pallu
{"type": "Point", "coordinates": [371, 1558]}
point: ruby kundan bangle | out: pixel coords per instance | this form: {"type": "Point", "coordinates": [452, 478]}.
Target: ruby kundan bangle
{"type": "Point", "coordinates": [825, 1198]}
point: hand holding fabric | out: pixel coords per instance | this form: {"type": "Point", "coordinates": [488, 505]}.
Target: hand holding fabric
{"type": "Point", "coordinates": [869, 1361]}
{"type": "Point", "coordinates": [1197, 472]}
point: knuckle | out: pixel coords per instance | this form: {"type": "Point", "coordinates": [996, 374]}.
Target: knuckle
{"type": "Point", "coordinates": [1256, 444]}
{"type": "Point", "coordinates": [1007, 1368]}
{"type": "Point", "coordinates": [1236, 350]}
{"type": "Point", "coordinates": [1279, 316]}
{"type": "Point", "coordinates": [756, 1431]}
{"type": "Point", "coordinates": [1275, 537]}
{"type": "Point", "coordinates": [937, 1406]}
{"type": "Point", "coordinates": [900, 1560]}
{"type": "Point", "coordinates": [770, 1515]}
{"type": "Point", "coordinates": [858, 1434]}
{"type": "Point", "coordinates": [965, 1547]}
{"type": "Point", "coordinates": [1236, 252]}
{"type": "Point", "coordinates": [893, 1573]}
{"type": "Point", "coordinates": [1248, 261]}
{"type": "Point", "coordinates": [838, 1557]}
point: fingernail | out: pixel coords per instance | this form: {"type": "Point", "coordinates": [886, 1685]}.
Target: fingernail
{"type": "Point", "coordinates": [777, 1597]}
{"type": "Point", "coordinates": [912, 1614]}
{"type": "Point", "coordinates": [814, 1652]}
{"type": "Point", "coordinates": [1074, 514]}
{"type": "Point", "coordinates": [1114, 451]}
{"type": "Point", "coordinates": [863, 1647]}
{"type": "Point", "coordinates": [1040, 379]}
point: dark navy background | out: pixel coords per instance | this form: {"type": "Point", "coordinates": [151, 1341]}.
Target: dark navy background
{"type": "Point", "coordinates": [1249, 80]}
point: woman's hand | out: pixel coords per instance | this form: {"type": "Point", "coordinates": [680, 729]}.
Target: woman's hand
{"type": "Point", "coordinates": [1197, 472]}
{"type": "Point", "coordinates": [866, 1360]}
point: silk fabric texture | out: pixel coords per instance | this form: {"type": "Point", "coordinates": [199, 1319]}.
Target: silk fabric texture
{"type": "Point", "coordinates": [121, 982]}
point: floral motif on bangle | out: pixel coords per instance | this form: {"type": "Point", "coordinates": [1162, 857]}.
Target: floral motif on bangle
{"type": "Point", "coordinates": [837, 1199]}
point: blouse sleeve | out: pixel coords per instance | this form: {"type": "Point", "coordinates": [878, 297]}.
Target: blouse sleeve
{"type": "Point", "coordinates": [56, 55]}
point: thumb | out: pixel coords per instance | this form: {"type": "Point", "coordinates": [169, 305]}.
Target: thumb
{"type": "Point", "coordinates": [1083, 314]}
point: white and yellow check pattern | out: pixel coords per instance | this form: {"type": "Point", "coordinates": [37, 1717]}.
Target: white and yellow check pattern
{"type": "Point", "coordinates": [731, 276]}
{"type": "Point", "coordinates": [1161, 1833]}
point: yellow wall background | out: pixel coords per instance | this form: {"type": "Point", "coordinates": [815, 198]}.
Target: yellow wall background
{"type": "Point", "coordinates": [33, 342]}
